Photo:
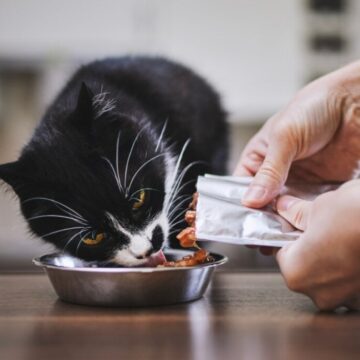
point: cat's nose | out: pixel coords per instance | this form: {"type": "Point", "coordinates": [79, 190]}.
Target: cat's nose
{"type": "Point", "coordinates": [145, 255]}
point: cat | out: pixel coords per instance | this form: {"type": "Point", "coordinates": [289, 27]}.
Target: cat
{"type": "Point", "coordinates": [110, 168]}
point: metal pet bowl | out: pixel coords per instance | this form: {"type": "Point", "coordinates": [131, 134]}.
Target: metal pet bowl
{"type": "Point", "coordinates": [78, 282]}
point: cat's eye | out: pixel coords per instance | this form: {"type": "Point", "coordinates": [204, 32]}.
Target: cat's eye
{"type": "Point", "coordinates": [139, 201]}
{"type": "Point", "coordinates": [95, 240]}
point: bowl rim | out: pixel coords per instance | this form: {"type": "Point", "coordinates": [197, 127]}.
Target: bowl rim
{"type": "Point", "coordinates": [39, 261]}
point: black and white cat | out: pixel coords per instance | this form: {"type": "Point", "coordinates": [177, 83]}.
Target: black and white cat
{"type": "Point", "coordinates": [108, 171]}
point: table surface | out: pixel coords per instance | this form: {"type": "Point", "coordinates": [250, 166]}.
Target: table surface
{"type": "Point", "coordinates": [242, 316]}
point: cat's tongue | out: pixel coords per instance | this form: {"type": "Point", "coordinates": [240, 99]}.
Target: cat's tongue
{"type": "Point", "coordinates": [156, 259]}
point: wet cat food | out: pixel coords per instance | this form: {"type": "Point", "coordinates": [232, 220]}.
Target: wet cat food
{"type": "Point", "coordinates": [187, 239]}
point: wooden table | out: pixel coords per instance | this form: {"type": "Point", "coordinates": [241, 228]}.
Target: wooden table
{"type": "Point", "coordinates": [242, 316]}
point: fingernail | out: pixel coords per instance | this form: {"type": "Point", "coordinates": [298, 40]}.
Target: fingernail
{"type": "Point", "coordinates": [255, 192]}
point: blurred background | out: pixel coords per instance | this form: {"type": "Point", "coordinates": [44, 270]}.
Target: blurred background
{"type": "Point", "coordinates": [256, 53]}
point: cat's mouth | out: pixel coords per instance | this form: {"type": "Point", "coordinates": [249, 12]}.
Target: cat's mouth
{"type": "Point", "coordinates": [155, 259]}
{"type": "Point", "coordinates": [126, 258]}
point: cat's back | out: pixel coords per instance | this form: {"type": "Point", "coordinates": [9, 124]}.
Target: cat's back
{"type": "Point", "coordinates": [164, 88]}
{"type": "Point", "coordinates": [158, 87]}
{"type": "Point", "coordinates": [147, 79]}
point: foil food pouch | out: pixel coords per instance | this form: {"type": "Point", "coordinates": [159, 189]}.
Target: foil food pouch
{"type": "Point", "coordinates": [220, 216]}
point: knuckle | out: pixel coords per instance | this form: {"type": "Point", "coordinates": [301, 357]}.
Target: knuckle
{"type": "Point", "coordinates": [280, 131]}
{"type": "Point", "coordinates": [336, 100]}
{"type": "Point", "coordinates": [286, 134]}
{"type": "Point", "coordinates": [269, 170]}
{"type": "Point", "coordinates": [294, 280]}
{"type": "Point", "coordinates": [323, 301]}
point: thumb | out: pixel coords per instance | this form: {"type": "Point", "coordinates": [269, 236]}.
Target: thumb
{"type": "Point", "coordinates": [271, 175]}
{"type": "Point", "coordinates": [294, 210]}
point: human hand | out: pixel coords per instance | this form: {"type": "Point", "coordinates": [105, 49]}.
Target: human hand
{"type": "Point", "coordinates": [314, 139]}
{"type": "Point", "coordinates": [323, 262]}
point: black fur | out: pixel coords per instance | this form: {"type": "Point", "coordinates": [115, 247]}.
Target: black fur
{"type": "Point", "coordinates": [64, 160]}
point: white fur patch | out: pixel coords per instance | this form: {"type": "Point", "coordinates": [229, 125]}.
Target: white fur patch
{"type": "Point", "coordinates": [140, 242]}
{"type": "Point", "coordinates": [126, 258]}
{"type": "Point", "coordinates": [169, 180]}
{"type": "Point", "coordinates": [103, 105]}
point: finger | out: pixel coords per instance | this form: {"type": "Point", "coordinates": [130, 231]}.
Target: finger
{"type": "Point", "coordinates": [242, 170]}
{"type": "Point", "coordinates": [252, 162]}
{"type": "Point", "coordinates": [353, 303]}
{"type": "Point", "coordinates": [251, 158]}
{"type": "Point", "coordinates": [351, 183]}
{"type": "Point", "coordinates": [294, 210]}
{"type": "Point", "coordinates": [291, 263]}
{"type": "Point", "coordinates": [266, 250]}
{"type": "Point", "coordinates": [290, 267]}
{"type": "Point", "coordinates": [252, 246]}
{"type": "Point", "coordinates": [271, 176]}
{"type": "Point", "coordinates": [275, 250]}
{"type": "Point", "coordinates": [299, 265]}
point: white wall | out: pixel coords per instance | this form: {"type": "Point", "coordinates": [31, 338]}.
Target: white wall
{"type": "Point", "coordinates": [249, 49]}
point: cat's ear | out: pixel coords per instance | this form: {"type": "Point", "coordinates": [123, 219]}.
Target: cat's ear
{"type": "Point", "coordinates": [11, 174]}
{"type": "Point", "coordinates": [84, 107]}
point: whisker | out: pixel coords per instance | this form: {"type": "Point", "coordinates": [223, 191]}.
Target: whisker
{"type": "Point", "coordinates": [178, 198]}
{"type": "Point", "coordinates": [114, 173]}
{"type": "Point", "coordinates": [78, 246]}
{"type": "Point", "coordinates": [178, 229]}
{"type": "Point", "coordinates": [179, 205]}
{"type": "Point", "coordinates": [80, 242]}
{"type": "Point", "coordinates": [140, 168]}
{"type": "Point", "coordinates": [185, 184]}
{"type": "Point", "coordinates": [181, 214]}
{"type": "Point", "coordinates": [175, 189]}
{"type": "Point", "coordinates": [57, 216]}
{"type": "Point", "coordinates": [150, 189]}
{"type": "Point", "coordinates": [62, 230]}
{"type": "Point", "coordinates": [117, 157]}
{"type": "Point", "coordinates": [161, 135]}
{"type": "Point", "coordinates": [178, 222]}
{"type": "Point", "coordinates": [74, 213]}
{"type": "Point", "coordinates": [183, 173]}
{"type": "Point", "coordinates": [177, 166]}
{"type": "Point", "coordinates": [176, 170]}
{"type": "Point", "coordinates": [73, 237]}
{"type": "Point", "coordinates": [130, 153]}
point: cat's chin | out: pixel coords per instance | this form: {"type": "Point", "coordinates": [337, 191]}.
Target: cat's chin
{"type": "Point", "coordinates": [126, 258]}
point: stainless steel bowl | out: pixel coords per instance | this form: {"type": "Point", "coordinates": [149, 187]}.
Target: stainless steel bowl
{"type": "Point", "coordinates": [79, 282]}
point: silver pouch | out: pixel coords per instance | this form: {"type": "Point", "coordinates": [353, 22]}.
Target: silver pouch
{"type": "Point", "coordinates": [221, 217]}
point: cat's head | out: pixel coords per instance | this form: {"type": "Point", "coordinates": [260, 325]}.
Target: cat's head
{"type": "Point", "coordinates": [96, 183]}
